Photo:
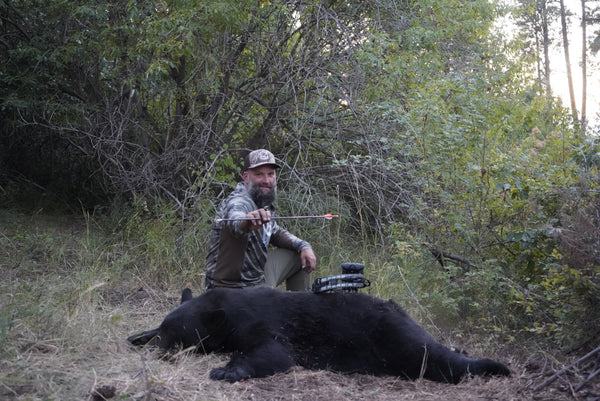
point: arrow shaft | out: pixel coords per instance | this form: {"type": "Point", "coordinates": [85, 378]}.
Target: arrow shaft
{"type": "Point", "coordinates": [280, 218]}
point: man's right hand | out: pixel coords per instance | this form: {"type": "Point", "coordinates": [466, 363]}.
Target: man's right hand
{"type": "Point", "coordinates": [259, 217]}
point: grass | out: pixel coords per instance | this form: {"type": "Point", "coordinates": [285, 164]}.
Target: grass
{"type": "Point", "coordinates": [72, 290]}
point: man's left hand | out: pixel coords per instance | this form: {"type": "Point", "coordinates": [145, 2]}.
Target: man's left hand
{"type": "Point", "coordinates": [309, 260]}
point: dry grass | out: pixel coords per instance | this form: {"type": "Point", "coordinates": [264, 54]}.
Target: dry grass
{"type": "Point", "coordinates": [62, 337]}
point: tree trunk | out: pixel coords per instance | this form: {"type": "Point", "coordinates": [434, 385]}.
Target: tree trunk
{"type": "Point", "coordinates": [546, 45]}
{"type": "Point", "coordinates": [563, 21]}
{"type": "Point", "coordinates": [583, 64]}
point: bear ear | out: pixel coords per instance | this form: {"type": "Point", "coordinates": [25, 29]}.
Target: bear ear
{"type": "Point", "coordinates": [214, 319]}
{"type": "Point", "coordinates": [186, 295]}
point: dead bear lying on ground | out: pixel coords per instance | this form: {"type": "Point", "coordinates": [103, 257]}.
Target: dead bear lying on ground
{"type": "Point", "coordinates": [269, 331]}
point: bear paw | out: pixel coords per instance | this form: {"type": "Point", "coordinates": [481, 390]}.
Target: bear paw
{"type": "Point", "coordinates": [230, 374]}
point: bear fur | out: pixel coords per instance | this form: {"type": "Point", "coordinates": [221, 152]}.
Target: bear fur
{"type": "Point", "coordinates": [270, 331]}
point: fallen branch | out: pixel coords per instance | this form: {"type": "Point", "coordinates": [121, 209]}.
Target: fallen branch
{"type": "Point", "coordinates": [586, 381]}
{"type": "Point", "coordinates": [563, 370]}
{"type": "Point", "coordinates": [441, 256]}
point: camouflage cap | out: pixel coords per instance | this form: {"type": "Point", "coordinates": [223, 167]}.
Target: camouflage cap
{"type": "Point", "coordinates": [259, 157]}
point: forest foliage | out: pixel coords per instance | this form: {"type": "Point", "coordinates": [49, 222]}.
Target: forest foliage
{"type": "Point", "coordinates": [419, 122]}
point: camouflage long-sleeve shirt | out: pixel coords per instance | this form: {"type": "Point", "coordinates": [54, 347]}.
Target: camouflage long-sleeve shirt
{"type": "Point", "coordinates": [237, 258]}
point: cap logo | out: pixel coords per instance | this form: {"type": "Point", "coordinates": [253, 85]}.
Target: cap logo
{"type": "Point", "coordinates": [261, 156]}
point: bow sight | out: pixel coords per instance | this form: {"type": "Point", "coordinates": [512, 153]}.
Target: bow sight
{"type": "Point", "coordinates": [351, 279]}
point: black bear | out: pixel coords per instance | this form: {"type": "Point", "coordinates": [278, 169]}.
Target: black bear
{"type": "Point", "coordinates": [269, 331]}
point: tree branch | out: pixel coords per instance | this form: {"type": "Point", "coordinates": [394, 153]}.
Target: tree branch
{"type": "Point", "coordinates": [555, 376]}
{"type": "Point", "coordinates": [441, 256]}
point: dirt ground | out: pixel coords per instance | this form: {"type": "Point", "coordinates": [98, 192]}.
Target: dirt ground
{"type": "Point", "coordinates": [92, 361]}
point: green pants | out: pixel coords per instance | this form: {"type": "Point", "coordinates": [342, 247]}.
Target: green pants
{"type": "Point", "coordinates": [285, 265]}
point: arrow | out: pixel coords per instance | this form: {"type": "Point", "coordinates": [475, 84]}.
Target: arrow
{"type": "Point", "coordinates": [327, 216]}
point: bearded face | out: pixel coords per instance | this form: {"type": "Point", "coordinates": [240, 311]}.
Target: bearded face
{"type": "Point", "coordinates": [261, 183]}
{"type": "Point", "coordinates": [262, 195]}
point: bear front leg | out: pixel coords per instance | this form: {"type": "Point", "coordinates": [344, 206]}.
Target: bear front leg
{"type": "Point", "coordinates": [265, 360]}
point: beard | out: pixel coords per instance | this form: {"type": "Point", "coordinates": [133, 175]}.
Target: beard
{"type": "Point", "coordinates": [261, 198]}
